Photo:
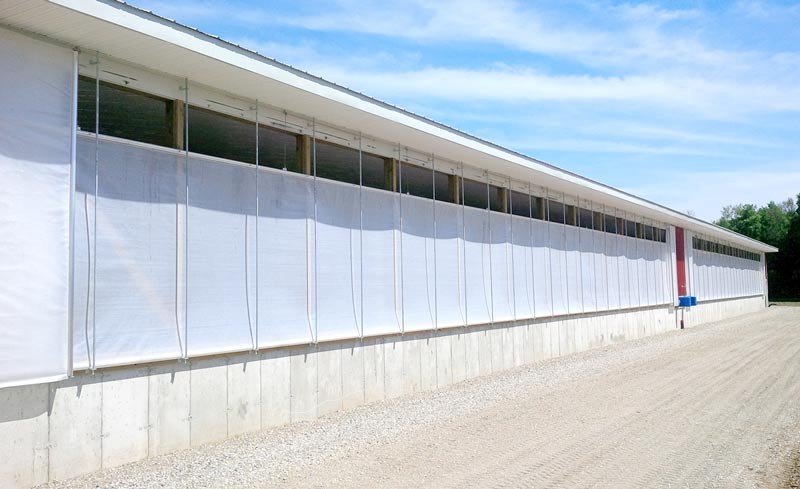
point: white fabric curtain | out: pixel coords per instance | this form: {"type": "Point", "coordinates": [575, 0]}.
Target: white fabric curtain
{"type": "Point", "coordinates": [500, 232]}
{"type": "Point", "coordinates": [522, 254]}
{"type": "Point", "coordinates": [666, 265]}
{"type": "Point", "coordinates": [673, 265]}
{"type": "Point", "coordinates": [381, 222]}
{"type": "Point", "coordinates": [285, 258]}
{"type": "Point", "coordinates": [640, 250]}
{"type": "Point", "coordinates": [653, 280]}
{"type": "Point", "coordinates": [542, 285]}
{"type": "Point", "coordinates": [418, 263]}
{"type": "Point", "coordinates": [611, 273]}
{"type": "Point", "coordinates": [36, 87]}
{"type": "Point", "coordinates": [220, 255]}
{"type": "Point", "coordinates": [134, 312]}
{"type": "Point", "coordinates": [573, 260]}
{"type": "Point", "coordinates": [338, 282]}
{"type": "Point", "coordinates": [719, 276]}
{"type": "Point", "coordinates": [625, 288]}
{"type": "Point", "coordinates": [558, 267]}
{"type": "Point", "coordinates": [477, 269]}
{"type": "Point", "coordinates": [449, 264]}
{"type": "Point", "coordinates": [587, 270]}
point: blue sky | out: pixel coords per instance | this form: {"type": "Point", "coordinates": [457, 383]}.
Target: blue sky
{"type": "Point", "coordinates": [691, 104]}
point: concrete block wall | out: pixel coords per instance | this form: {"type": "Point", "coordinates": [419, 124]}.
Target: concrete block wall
{"type": "Point", "coordinates": [710, 311]}
{"type": "Point", "coordinates": [116, 416]}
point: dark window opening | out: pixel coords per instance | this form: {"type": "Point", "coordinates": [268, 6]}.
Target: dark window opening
{"type": "Point", "coordinates": [585, 218]}
{"type": "Point", "coordinates": [374, 171]}
{"type": "Point", "coordinates": [621, 226]}
{"type": "Point", "coordinates": [570, 215]}
{"type": "Point", "coordinates": [336, 162]}
{"type": "Point", "coordinates": [496, 197]}
{"type": "Point", "coordinates": [475, 194]}
{"type": "Point", "coordinates": [538, 208]}
{"type": "Point", "coordinates": [599, 221]}
{"type": "Point", "coordinates": [442, 183]}
{"type": "Point", "coordinates": [610, 224]}
{"type": "Point", "coordinates": [415, 180]}
{"type": "Point", "coordinates": [630, 229]}
{"type": "Point", "coordinates": [215, 134]}
{"type": "Point", "coordinates": [278, 149]}
{"type": "Point", "coordinates": [555, 211]}
{"type": "Point", "coordinates": [125, 113]}
{"type": "Point", "coordinates": [519, 204]}
{"type": "Point", "coordinates": [648, 233]}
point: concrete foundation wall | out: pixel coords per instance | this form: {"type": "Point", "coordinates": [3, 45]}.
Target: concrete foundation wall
{"type": "Point", "coordinates": [710, 311]}
{"type": "Point", "coordinates": [116, 416]}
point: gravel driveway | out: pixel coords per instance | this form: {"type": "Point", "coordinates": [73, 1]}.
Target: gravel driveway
{"type": "Point", "coordinates": [713, 406]}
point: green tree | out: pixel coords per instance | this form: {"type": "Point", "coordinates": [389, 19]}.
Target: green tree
{"type": "Point", "coordinates": [789, 260]}
{"type": "Point", "coordinates": [777, 224]}
{"type": "Point", "coordinates": [744, 219]}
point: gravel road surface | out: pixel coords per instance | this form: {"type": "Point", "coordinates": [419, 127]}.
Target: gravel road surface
{"type": "Point", "coordinates": [713, 406]}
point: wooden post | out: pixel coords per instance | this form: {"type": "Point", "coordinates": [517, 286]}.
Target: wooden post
{"type": "Point", "coordinates": [178, 123]}
{"type": "Point", "coordinates": [502, 194]}
{"type": "Point", "coordinates": [390, 174]}
{"type": "Point", "coordinates": [454, 185]}
{"type": "Point", "coordinates": [599, 221]}
{"type": "Point", "coordinates": [306, 156]}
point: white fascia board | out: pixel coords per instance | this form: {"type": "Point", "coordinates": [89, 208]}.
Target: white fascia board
{"type": "Point", "coordinates": [151, 25]}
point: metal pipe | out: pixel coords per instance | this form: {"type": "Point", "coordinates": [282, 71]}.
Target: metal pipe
{"type": "Point", "coordinates": [580, 253]}
{"type": "Point", "coordinates": [464, 245]}
{"type": "Point", "coordinates": [491, 273]}
{"type": "Point", "coordinates": [565, 263]}
{"type": "Point", "coordinates": [395, 255]}
{"type": "Point", "coordinates": [361, 234]}
{"type": "Point", "coordinates": [315, 334]}
{"type": "Point", "coordinates": [532, 294]}
{"type": "Point", "coordinates": [186, 223]}
{"type": "Point", "coordinates": [258, 214]}
{"type": "Point", "coordinates": [435, 275]}
{"type": "Point", "coordinates": [73, 168]}
{"type": "Point", "coordinates": [549, 248]}
{"type": "Point", "coordinates": [93, 355]}
{"type": "Point", "coordinates": [402, 284]}
{"type": "Point", "coordinates": [511, 239]}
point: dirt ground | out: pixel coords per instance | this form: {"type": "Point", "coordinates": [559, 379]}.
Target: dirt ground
{"type": "Point", "coordinates": [717, 409]}
{"type": "Point", "coordinates": [712, 406]}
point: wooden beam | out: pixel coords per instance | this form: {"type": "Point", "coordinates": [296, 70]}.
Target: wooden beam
{"type": "Point", "coordinates": [390, 174]}
{"type": "Point", "coordinates": [502, 194]}
{"type": "Point", "coordinates": [454, 185]}
{"type": "Point", "coordinates": [306, 156]}
{"type": "Point", "coordinates": [178, 124]}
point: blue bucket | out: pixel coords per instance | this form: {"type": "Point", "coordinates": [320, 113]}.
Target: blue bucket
{"type": "Point", "coordinates": [684, 301]}
{"type": "Point", "coordinates": [694, 300]}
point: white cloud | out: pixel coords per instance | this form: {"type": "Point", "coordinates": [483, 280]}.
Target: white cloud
{"type": "Point", "coordinates": [705, 98]}
{"type": "Point", "coordinates": [621, 84]}
{"type": "Point", "coordinates": [706, 193]}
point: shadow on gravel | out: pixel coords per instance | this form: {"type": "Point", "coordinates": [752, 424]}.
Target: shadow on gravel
{"type": "Point", "coordinates": [792, 475]}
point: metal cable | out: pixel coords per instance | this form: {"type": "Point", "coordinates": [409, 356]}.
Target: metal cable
{"type": "Point", "coordinates": [531, 268]}
{"type": "Point", "coordinates": [489, 228]}
{"type": "Point", "coordinates": [93, 364]}
{"type": "Point", "coordinates": [435, 280]}
{"type": "Point", "coordinates": [315, 334]}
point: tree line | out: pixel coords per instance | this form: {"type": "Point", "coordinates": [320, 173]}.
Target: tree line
{"type": "Point", "coordinates": [777, 224]}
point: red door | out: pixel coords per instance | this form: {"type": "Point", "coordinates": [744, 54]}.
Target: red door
{"type": "Point", "coordinates": [680, 262]}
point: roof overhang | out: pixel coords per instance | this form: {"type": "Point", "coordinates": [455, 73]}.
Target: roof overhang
{"type": "Point", "coordinates": [135, 36]}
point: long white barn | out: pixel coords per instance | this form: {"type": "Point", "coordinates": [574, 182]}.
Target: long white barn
{"type": "Point", "coordinates": [197, 241]}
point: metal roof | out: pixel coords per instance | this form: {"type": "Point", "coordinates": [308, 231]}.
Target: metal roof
{"type": "Point", "coordinates": [132, 35]}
